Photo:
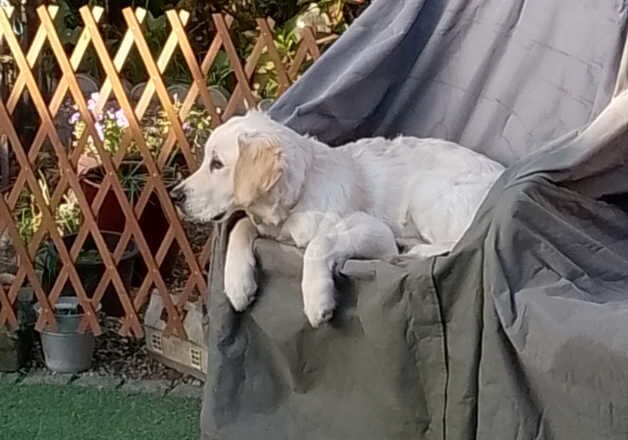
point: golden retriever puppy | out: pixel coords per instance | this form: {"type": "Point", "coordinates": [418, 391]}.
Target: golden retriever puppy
{"type": "Point", "coordinates": [358, 200]}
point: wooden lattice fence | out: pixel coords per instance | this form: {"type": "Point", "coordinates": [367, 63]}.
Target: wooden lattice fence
{"type": "Point", "coordinates": [48, 142]}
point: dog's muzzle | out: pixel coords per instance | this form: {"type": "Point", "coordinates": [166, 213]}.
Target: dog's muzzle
{"type": "Point", "coordinates": [178, 196]}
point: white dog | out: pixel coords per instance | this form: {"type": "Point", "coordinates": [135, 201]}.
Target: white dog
{"type": "Point", "coordinates": [338, 203]}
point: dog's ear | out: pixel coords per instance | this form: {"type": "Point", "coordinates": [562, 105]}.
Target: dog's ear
{"type": "Point", "coordinates": [258, 167]}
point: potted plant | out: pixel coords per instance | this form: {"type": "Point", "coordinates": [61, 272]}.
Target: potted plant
{"type": "Point", "coordinates": [90, 268]}
{"type": "Point", "coordinates": [111, 125]}
{"type": "Point", "coordinates": [89, 264]}
{"type": "Point", "coordinates": [16, 344]}
{"type": "Point", "coordinates": [153, 221]}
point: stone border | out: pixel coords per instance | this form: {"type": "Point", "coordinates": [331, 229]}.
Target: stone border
{"type": "Point", "coordinates": [161, 388]}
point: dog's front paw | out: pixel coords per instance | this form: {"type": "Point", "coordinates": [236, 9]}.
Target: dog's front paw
{"type": "Point", "coordinates": [240, 284]}
{"type": "Point", "coordinates": [319, 302]}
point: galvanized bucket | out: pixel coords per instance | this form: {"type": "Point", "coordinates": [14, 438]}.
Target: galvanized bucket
{"type": "Point", "coordinates": [65, 349]}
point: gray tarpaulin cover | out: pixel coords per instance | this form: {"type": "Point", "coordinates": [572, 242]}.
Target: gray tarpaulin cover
{"type": "Point", "coordinates": [522, 331]}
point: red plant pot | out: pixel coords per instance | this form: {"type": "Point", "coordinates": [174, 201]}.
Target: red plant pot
{"type": "Point", "coordinates": [153, 223]}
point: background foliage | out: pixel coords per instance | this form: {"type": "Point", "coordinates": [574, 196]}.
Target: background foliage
{"type": "Point", "coordinates": [327, 16]}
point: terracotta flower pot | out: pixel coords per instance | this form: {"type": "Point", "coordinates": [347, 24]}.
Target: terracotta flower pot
{"type": "Point", "coordinates": [153, 222]}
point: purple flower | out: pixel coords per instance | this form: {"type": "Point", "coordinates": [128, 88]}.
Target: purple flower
{"type": "Point", "coordinates": [187, 127]}
{"type": "Point", "coordinates": [121, 119]}
{"type": "Point", "coordinates": [92, 103]}
{"type": "Point", "coordinates": [76, 116]}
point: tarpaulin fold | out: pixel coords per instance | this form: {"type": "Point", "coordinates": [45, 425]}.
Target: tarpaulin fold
{"type": "Point", "coordinates": [520, 332]}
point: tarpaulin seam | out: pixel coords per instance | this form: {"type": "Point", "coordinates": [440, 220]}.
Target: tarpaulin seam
{"type": "Point", "coordinates": [444, 345]}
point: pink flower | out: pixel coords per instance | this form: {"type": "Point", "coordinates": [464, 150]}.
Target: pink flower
{"type": "Point", "coordinates": [121, 119]}
{"type": "Point", "coordinates": [76, 116]}
{"type": "Point", "coordinates": [92, 103]}
{"type": "Point", "coordinates": [187, 127]}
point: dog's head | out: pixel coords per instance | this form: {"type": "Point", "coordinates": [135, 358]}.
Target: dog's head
{"type": "Point", "coordinates": [250, 163]}
{"type": "Point", "coordinates": [207, 194]}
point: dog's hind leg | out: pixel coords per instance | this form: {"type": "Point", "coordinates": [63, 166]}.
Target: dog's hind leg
{"type": "Point", "coordinates": [358, 236]}
{"type": "Point", "coordinates": [405, 244]}
{"type": "Point", "coordinates": [425, 250]}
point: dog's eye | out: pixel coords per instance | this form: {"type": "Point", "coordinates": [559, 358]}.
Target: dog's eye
{"type": "Point", "coordinates": [215, 164]}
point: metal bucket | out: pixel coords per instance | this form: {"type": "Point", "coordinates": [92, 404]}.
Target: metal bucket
{"type": "Point", "coordinates": [66, 350]}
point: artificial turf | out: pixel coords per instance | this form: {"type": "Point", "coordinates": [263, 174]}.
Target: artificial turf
{"type": "Point", "coordinates": [70, 412]}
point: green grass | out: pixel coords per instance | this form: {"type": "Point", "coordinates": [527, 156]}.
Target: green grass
{"type": "Point", "coordinates": [52, 412]}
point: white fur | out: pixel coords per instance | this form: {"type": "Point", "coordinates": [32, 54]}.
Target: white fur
{"type": "Point", "coordinates": [338, 203]}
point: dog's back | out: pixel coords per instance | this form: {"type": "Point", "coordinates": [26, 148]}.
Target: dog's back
{"type": "Point", "coordinates": [423, 188]}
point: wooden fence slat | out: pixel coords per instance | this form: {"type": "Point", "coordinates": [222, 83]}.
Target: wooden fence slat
{"type": "Point", "coordinates": [141, 107]}
{"type": "Point", "coordinates": [33, 53]}
{"type": "Point", "coordinates": [25, 263]}
{"type": "Point", "coordinates": [193, 92]}
{"type": "Point", "coordinates": [37, 144]}
{"type": "Point", "coordinates": [7, 314]}
{"type": "Point", "coordinates": [234, 59]}
{"type": "Point", "coordinates": [310, 42]}
{"type": "Point", "coordinates": [304, 48]}
{"type": "Point", "coordinates": [206, 65]}
{"type": "Point", "coordinates": [148, 188]}
{"type": "Point", "coordinates": [47, 220]}
{"type": "Point", "coordinates": [195, 71]}
{"type": "Point", "coordinates": [54, 106]}
{"type": "Point", "coordinates": [249, 70]}
{"type": "Point", "coordinates": [299, 58]}
{"type": "Point", "coordinates": [119, 58]}
{"type": "Point", "coordinates": [89, 219]}
{"type": "Point", "coordinates": [46, 119]}
{"type": "Point", "coordinates": [267, 36]}
{"type": "Point", "coordinates": [170, 140]}
{"type": "Point", "coordinates": [134, 126]}
{"type": "Point", "coordinates": [9, 10]}
{"type": "Point", "coordinates": [160, 190]}
{"type": "Point", "coordinates": [155, 76]}
{"type": "Point", "coordinates": [120, 195]}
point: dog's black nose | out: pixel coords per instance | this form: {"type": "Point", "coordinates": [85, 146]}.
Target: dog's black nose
{"type": "Point", "coordinates": [177, 195]}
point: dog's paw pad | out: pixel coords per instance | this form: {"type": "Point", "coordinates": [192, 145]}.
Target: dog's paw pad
{"type": "Point", "coordinates": [240, 303]}
{"type": "Point", "coordinates": [318, 315]}
{"type": "Point", "coordinates": [318, 300]}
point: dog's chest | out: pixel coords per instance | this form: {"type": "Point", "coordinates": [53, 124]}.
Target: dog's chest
{"type": "Point", "coordinates": [265, 230]}
{"type": "Point", "coordinates": [298, 229]}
